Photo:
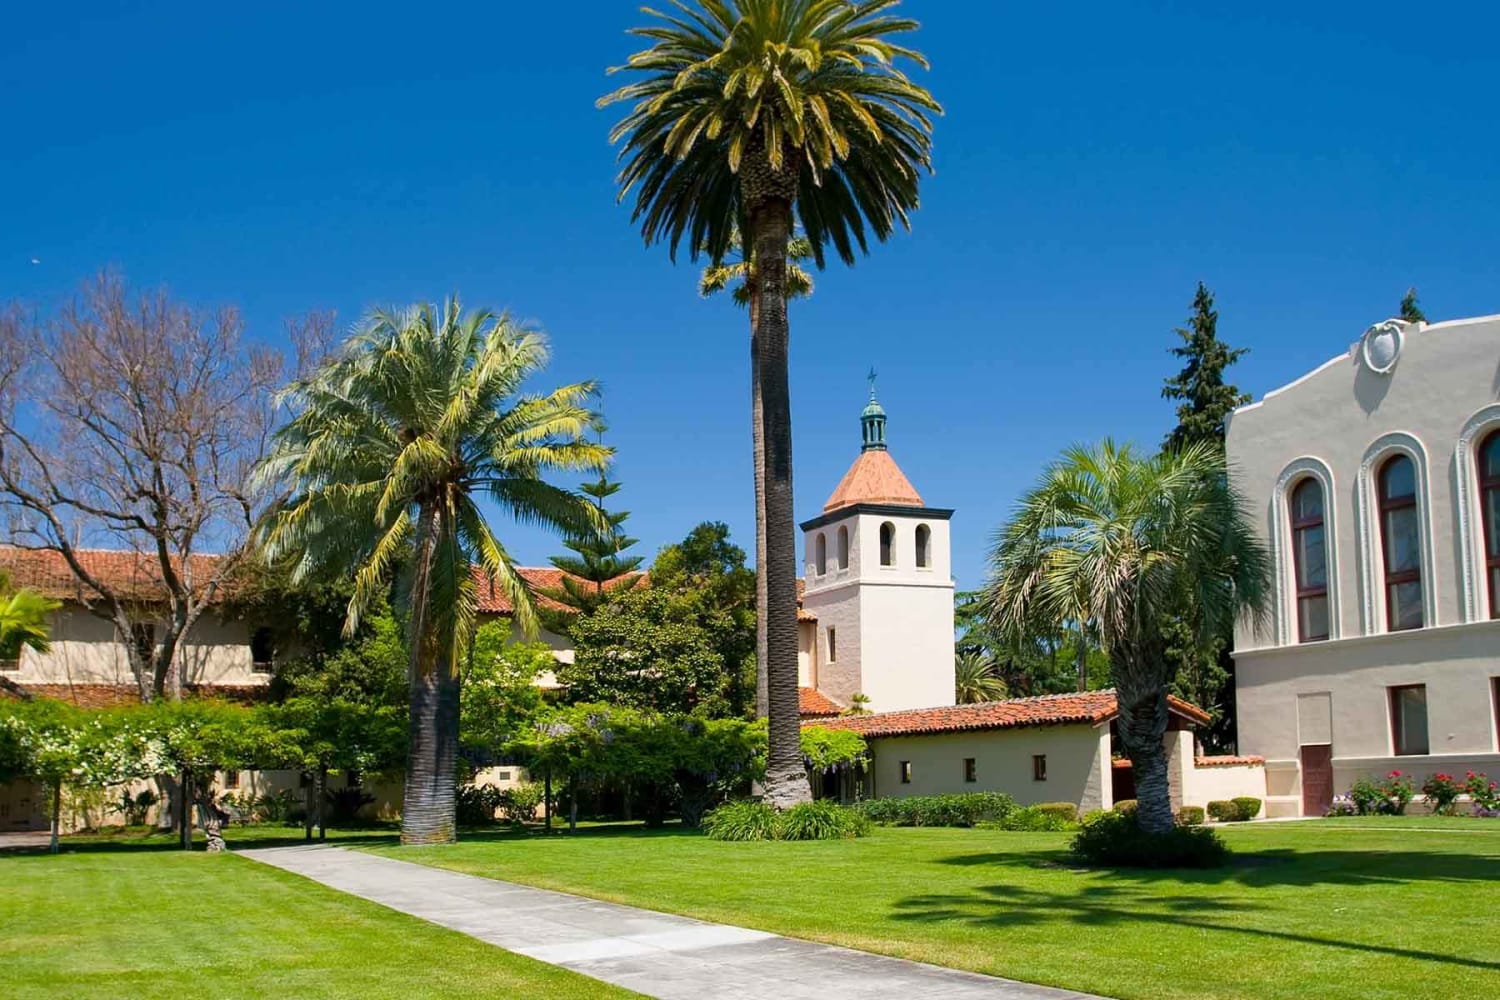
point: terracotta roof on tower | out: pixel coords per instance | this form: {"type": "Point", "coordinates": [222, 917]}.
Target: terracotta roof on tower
{"type": "Point", "coordinates": [1093, 707]}
{"type": "Point", "coordinates": [814, 704]}
{"type": "Point", "coordinates": [874, 478]}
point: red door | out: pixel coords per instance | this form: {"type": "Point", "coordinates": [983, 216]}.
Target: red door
{"type": "Point", "coordinates": [1317, 779]}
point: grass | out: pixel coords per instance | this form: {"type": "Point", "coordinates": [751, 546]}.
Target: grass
{"type": "Point", "coordinates": [128, 917]}
{"type": "Point", "coordinates": [1361, 908]}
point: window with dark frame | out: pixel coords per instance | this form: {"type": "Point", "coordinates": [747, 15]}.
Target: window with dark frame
{"type": "Point", "coordinates": [262, 651]}
{"type": "Point", "coordinates": [905, 772]}
{"type": "Point", "coordinates": [1310, 560]}
{"type": "Point", "coordinates": [1039, 767]}
{"type": "Point", "coordinates": [143, 636]}
{"type": "Point", "coordinates": [1401, 544]}
{"type": "Point", "coordinates": [1495, 700]}
{"type": "Point", "coordinates": [971, 770]}
{"type": "Point", "coordinates": [887, 544]}
{"type": "Point", "coordinates": [833, 645]}
{"type": "Point", "coordinates": [231, 779]}
{"type": "Point", "coordinates": [843, 547]}
{"type": "Point", "coordinates": [1409, 719]}
{"type": "Point", "coordinates": [924, 545]}
{"type": "Point", "coordinates": [822, 549]}
{"type": "Point", "coordinates": [1489, 508]}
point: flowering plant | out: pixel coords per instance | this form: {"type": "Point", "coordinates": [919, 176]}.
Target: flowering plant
{"type": "Point", "coordinates": [1441, 793]}
{"type": "Point", "coordinates": [1388, 797]}
{"type": "Point", "coordinates": [1483, 793]}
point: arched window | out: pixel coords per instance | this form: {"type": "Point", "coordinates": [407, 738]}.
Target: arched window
{"type": "Point", "coordinates": [887, 544]}
{"type": "Point", "coordinates": [924, 544]}
{"type": "Point", "coordinates": [1401, 544]}
{"type": "Point", "coordinates": [822, 559]}
{"type": "Point", "coordinates": [843, 546]}
{"type": "Point", "coordinates": [1489, 507]}
{"type": "Point", "coordinates": [1310, 560]}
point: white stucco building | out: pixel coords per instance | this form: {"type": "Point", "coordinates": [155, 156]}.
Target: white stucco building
{"type": "Point", "coordinates": [1376, 482]}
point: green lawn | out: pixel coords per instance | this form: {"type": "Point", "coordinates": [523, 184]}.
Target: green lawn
{"type": "Point", "coordinates": [128, 919]}
{"type": "Point", "coordinates": [1359, 908]}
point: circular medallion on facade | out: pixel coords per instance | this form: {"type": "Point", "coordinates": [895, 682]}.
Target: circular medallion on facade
{"type": "Point", "coordinates": [1381, 346]}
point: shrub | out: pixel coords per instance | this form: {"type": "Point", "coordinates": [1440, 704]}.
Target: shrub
{"type": "Point", "coordinates": [749, 819]}
{"type": "Point", "coordinates": [1398, 791]}
{"type": "Point", "coordinates": [1223, 811]}
{"type": "Point", "coordinates": [967, 809]}
{"type": "Point", "coordinates": [821, 820]}
{"type": "Point", "coordinates": [1343, 805]}
{"type": "Point", "coordinates": [476, 804]}
{"type": "Point", "coordinates": [518, 803]}
{"type": "Point", "coordinates": [1483, 793]}
{"type": "Point", "coordinates": [1032, 819]}
{"type": "Point", "coordinates": [1366, 797]}
{"type": "Point", "coordinates": [1116, 839]}
{"type": "Point", "coordinates": [1066, 811]}
{"type": "Point", "coordinates": [745, 819]}
{"type": "Point", "coordinates": [1190, 816]}
{"type": "Point", "coordinates": [1441, 793]}
{"type": "Point", "coordinates": [1249, 806]}
{"type": "Point", "coordinates": [1126, 807]}
{"type": "Point", "coordinates": [135, 807]}
{"type": "Point", "coordinates": [344, 804]}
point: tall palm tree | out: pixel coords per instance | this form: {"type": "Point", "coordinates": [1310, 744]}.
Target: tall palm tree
{"type": "Point", "coordinates": [25, 620]}
{"type": "Point", "coordinates": [748, 113]}
{"type": "Point", "coordinates": [740, 273]}
{"type": "Point", "coordinates": [1132, 540]}
{"type": "Point", "coordinates": [975, 679]}
{"type": "Point", "coordinates": [392, 445]}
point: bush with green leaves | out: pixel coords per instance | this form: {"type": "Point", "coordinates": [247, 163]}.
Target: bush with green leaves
{"type": "Point", "coordinates": [1036, 819]}
{"type": "Point", "coordinates": [751, 819]}
{"type": "Point", "coordinates": [1116, 840]}
{"type": "Point", "coordinates": [1190, 816]}
{"type": "Point", "coordinates": [519, 803]}
{"type": "Point", "coordinates": [133, 807]}
{"type": "Point", "coordinates": [1223, 811]}
{"type": "Point", "coordinates": [1248, 805]}
{"type": "Point", "coordinates": [966, 809]}
{"type": "Point", "coordinates": [1065, 811]}
{"type": "Point", "coordinates": [477, 804]}
{"type": "Point", "coordinates": [1126, 807]}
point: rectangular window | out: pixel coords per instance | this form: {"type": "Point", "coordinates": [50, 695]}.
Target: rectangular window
{"type": "Point", "coordinates": [906, 772]}
{"type": "Point", "coordinates": [833, 645]}
{"type": "Point", "coordinates": [502, 775]}
{"type": "Point", "coordinates": [262, 651]}
{"type": "Point", "coordinates": [9, 666]}
{"type": "Point", "coordinates": [1039, 767]}
{"type": "Point", "coordinates": [231, 779]}
{"type": "Point", "coordinates": [1495, 700]}
{"type": "Point", "coordinates": [1409, 719]}
{"type": "Point", "coordinates": [971, 770]}
{"type": "Point", "coordinates": [143, 636]}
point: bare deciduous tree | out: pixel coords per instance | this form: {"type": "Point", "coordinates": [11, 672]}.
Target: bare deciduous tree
{"type": "Point", "coordinates": [132, 423]}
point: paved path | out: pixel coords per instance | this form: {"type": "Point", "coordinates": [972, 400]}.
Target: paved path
{"type": "Point", "coordinates": [652, 953]}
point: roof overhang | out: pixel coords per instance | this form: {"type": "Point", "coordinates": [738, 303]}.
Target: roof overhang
{"type": "Point", "coordinates": [887, 509]}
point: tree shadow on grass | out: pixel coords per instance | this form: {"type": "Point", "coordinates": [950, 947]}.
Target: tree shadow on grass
{"type": "Point", "coordinates": [1135, 897]}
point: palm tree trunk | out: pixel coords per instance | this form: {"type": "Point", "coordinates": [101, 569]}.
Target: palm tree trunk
{"type": "Point", "coordinates": [428, 801]}
{"type": "Point", "coordinates": [758, 450]}
{"type": "Point", "coordinates": [1142, 722]}
{"type": "Point", "coordinates": [786, 778]}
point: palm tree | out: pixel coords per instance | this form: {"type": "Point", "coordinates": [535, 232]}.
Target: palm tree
{"type": "Point", "coordinates": [392, 445]}
{"type": "Point", "coordinates": [1131, 540]}
{"type": "Point", "coordinates": [975, 679]}
{"type": "Point", "coordinates": [25, 620]}
{"type": "Point", "coordinates": [748, 113]}
{"type": "Point", "coordinates": [739, 272]}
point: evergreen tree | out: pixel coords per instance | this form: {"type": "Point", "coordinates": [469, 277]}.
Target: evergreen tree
{"type": "Point", "coordinates": [1206, 398]}
{"type": "Point", "coordinates": [1411, 312]}
{"type": "Point", "coordinates": [591, 574]}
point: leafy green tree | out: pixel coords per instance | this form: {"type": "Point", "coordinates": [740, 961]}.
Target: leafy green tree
{"type": "Point", "coordinates": [975, 679]}
{"type": "Point", "coordinates": [1206, 399]}
{"type": "Point", "coordinates": [25, 620]}
{"type": "Point", "coordinates": [753, 113]}
{"type": "Point", "coordinates": [500, 694]}
{"type": "Point", "coordinates": [1411, 312]}
{"type": "Point", "coordinates": [598, 568]}
{"type": "Point", "coordinates": [1132, 539]}
{"type": "Point", "coordinates": [390, 447]}
{"type": "Point", "coordinates": [738, 271]}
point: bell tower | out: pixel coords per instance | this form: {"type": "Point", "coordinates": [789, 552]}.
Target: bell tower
{"type": "Point", "coordinates": [880, 582]}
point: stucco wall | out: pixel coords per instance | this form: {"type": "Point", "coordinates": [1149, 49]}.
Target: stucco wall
{"type": "Point", "coordinates": [1077, 764]}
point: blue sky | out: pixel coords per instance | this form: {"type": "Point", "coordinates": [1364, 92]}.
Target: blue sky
{"type": "Point", "coordinates": [1309, 161]}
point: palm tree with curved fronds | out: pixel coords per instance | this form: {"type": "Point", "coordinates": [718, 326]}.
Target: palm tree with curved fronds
{"type": "Point", "coordinates": [753, 113]}
{"type": "Point", "coordinates": [25, 620]}
{"type": "Point", "coordinates": [975, 679]}
{"type": "Point", "coordinates": [1126, 540]}
{"type": "Point", "coordinates": [393, 444]}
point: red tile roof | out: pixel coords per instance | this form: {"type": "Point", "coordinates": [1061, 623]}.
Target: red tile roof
{"type": "Point", "coordinates": [814, 704]}
{"type": "Point", "coordinates": [538, 578]}
{"type": "Point", "coordinates": [1092, 707]}
{"type": "Point", "coordinates": [1229, 761]}
{"type": "Point", "coordinates": [873, 478]}
{"type": "Point", "coordinates": [134, 575]}
{"type": "Point", "coordinates": [803, 615]}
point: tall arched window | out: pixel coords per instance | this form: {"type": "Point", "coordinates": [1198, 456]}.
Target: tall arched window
{"type": "Point", "coordinates": [843, 546]}
{"type": "Point", "coordinates": [887, 544]}
{"type": "Point", "coordinates": [1310, 560]}
{"type": "Point", "coordinates": [1401, 544]}
{"type": "Point", "coordinates": [822, 548]}
{"type": "Point", "coordinates": [924, 544]}
{"type": "Point", "coordinates": [1489, 508]}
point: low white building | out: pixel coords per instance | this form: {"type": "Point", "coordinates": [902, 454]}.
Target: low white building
{"type": "Point", "coordinates": [1375, 480]}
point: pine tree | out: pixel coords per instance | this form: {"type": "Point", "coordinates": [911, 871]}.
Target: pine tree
{"type": "Point", "coordinates": [591, 574]}
{"type": "Point", "coordinates": [1410, 311]}
{"type": "Point", "coordinates": [1206, 398]}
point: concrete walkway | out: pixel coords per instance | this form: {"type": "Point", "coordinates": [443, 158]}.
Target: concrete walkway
{"type": "Point", "coordinates": [652, 953]}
